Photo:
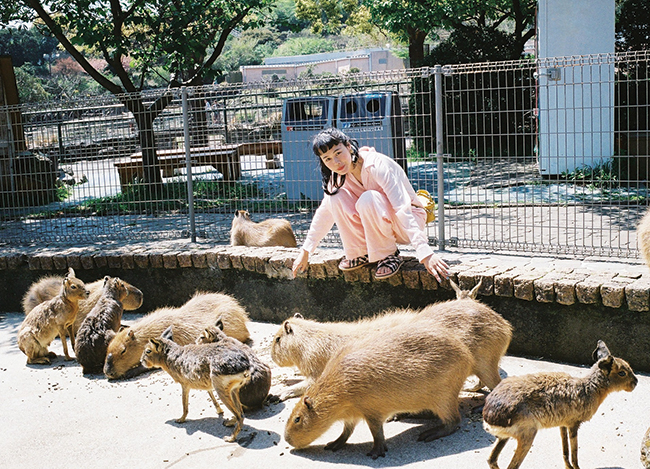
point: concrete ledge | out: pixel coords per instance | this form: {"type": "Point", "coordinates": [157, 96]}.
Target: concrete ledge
{"type": "Point", "coordinates": [550, 302]}
{"type": "Point", "coordinates": [542, 280]}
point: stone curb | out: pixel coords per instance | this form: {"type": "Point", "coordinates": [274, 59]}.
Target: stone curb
{"type": "Point", "coordinates": [527, 279]}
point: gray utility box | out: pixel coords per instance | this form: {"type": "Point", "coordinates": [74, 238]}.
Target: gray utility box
{"type": "Point", "coordinates": [374, 119]}
{"type": "Point", "coordinates": [302, 119]}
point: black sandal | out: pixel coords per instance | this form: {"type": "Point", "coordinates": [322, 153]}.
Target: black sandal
{"type": "Point", "coordinates": [393, 262]}
{"type": "Point", "coordinates": [347, 264]}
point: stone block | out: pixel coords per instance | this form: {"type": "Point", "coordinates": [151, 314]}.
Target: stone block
{"type": "Point", "coordinates": [199, 260]}
{"type": "Point", "coordinates": [588, 290]}
{"type": "Point", "coordinates": [156, 260]}
{"type": "Point", "coordinates": [184, 260]}
{"type": "Point", "coordinates": [637, 295]}
{"type": "Point", "coordinates": [544, 290]}
{"type": "Point", "coordinates": [60, 262]}
{"type": "Point", "coordinates": [170, 260]}
{"type": "Point", "coordinates": [87, 261]}
{"type": "Point", "coordinates": [141, 260]}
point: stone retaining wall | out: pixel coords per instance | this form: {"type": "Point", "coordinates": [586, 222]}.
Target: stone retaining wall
{"type": "Point", "coordinates": [559, 308]}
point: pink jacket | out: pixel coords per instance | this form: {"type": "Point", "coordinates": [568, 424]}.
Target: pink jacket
{"type": "Point", "coordinates": [382, 174]}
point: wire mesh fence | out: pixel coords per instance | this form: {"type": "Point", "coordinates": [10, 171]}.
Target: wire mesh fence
{"type": "Point", "coordinates": [536, 155]}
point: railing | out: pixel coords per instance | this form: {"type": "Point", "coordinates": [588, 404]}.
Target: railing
{"type": "Point", "coordinates": [534, 156]}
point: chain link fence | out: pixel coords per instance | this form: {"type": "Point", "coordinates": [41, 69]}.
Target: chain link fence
{"type": "Point", "coordinates": [533, 155]}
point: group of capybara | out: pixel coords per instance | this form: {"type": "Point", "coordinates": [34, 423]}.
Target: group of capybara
{"type": "Point", "coordinates": [400, 362]}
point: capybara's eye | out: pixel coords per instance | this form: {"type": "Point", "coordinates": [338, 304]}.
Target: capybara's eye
{"type": "Point", "coordinates": [622, 373]}
{"type": "Point", "coordinates": [296, 420]}
{"type": "Point", "coordinates": [73, 287]}
{"type": "Point", "coordinates": [277, 340]}
{"type": "Point", "coordinates": [123, 351]}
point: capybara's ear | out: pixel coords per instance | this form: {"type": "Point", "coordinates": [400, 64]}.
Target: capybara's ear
{"type": "Point", "coordinates": [167, 334]}
{"type": "Point", "coordinates": [601, 351]}
{"type": "Point", "coordinates": [606, 363]}
{"type": "Point", "coordinates": [123, 326]}
{"type": "Point", "coordinates": [156, 344]}
{"type": "Point", "coordinates": [308, 403]}
{"type": "Point", "coordinates": [131, 334]}
{"type": "Point", "coordinates": [298, 316]}
{"type": "Point", "coordinates": [287, 327]}
{"type": "Point", "coordinates": [71, 272]}
{"type": "Point", "coordinates": [219, 324]}
{"type": "Point", "coordinates": [106, 279]}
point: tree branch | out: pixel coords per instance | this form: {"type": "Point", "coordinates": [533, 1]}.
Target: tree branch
{"type": "Point", "coordinates": [72, 50]}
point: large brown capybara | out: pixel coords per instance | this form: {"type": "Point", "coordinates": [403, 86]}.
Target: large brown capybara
{"type": "Point", "coordinates": [188, 322]}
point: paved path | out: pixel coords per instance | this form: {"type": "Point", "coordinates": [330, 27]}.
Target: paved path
{"type": "Point", "coordinates": [54, 417]}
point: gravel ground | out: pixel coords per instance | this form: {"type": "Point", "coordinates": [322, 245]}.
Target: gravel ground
{"type": "Point", "coordinates": [54, 417]}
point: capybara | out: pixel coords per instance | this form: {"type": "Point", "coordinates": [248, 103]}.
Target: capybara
{"type": "Point", "coordinates": [309, 345]}
{"type": "Point", "coordinates": [643, 237]}
{"type": "Point", "coordinates": [49, 319]}
{"type": "Point", "coordinates": [645, 450]}
{"type": "Point", "coordinates": [407, 369]}
{"type": "Point", "coordinates": [189, 320]}
{"type": "Point", "coordinates": [254, 393]}
{"type": "Point", "coordinates": [47, 287]}
{"type": "Point", "coordinates": [100, 326]}
{"type": "Point", "coordinates": [217, 366]}
{"type": "Point", "coordinates": [520, 405]}
{"type": "Point", "coordinates": [485, 332]}
{"type": "Point", "coordinates": [269, 232]}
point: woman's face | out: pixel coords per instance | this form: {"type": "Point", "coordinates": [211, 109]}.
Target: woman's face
{"type": "Point", "coordinates": [338, 159]}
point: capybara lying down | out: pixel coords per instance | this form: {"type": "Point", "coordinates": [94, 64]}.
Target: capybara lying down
{"type": "Point", "coordinates": [217, 365]}
{"type": "Point", "coordinates": [49, 319]}
{"type": "Point", "coordinates": [521, 405]}
{"type": "Point", "coordinates": [188, 321]}
{"type": "Point", "coordinates": [100, 326]}
{"type": "Point", "coordinates": [407, 369]}
{"type": "Point", "coordinates": [269, 232]}
{"type": "Point", "coordinates": [48, 287]}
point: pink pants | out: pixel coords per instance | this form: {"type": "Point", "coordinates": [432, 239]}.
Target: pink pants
{"type": "Point", "coordinates": [368, 225]}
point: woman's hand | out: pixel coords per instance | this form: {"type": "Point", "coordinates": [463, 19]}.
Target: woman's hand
{"type": "Point", "coordinates": [436, 267]}
{"type": "Point", "coordinates": [301, 263]}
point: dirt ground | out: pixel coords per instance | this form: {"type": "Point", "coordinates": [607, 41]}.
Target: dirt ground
{"type": "Point", "coordinates": [54, 417]}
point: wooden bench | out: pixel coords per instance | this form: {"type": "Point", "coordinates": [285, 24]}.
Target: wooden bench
{"type": "Point", "coordinates": [225, 159]}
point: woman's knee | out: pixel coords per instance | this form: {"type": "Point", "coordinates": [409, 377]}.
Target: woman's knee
{"type": "Point", "coordinates": [370, 201]}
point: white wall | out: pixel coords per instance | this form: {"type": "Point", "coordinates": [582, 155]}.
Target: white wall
{"type": "Point", "coordinates": [576, 95]}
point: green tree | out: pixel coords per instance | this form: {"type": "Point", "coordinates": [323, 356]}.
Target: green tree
{"type": "Point", "coordinates": [183, 37]}
{"type": "Point", "coordinates": [633, 25]}
{"type": "Point", "coordinates": [412, 21]}
{"type": "Point", "coordinates": [26, 45]}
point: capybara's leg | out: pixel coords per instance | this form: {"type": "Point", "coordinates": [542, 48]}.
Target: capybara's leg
{"type": "Point", "coordinates": [216, 404]}
{"type": "Point", "coordinates": [186, 403]}
{"type": "Point", "coordinates": [71, 334]}
{"type": "Point", "coordinates": [296, 390]}
{"type": "Point", "coordinates": [64, 342]}
{"type": "Point", "coordinates": [379, 448]}
{"type": "Point", "coordinates": [337, 444]}
{"type": "Point", "coordinates": [229, 395]}
{"type": "Point", "coordinates": [573, 437]}
{"type": "Point", "coordinates": [447, 426]}
{"type": "Point", "coordinates": [494, 455]}
{"type": "Point", "coordinates": [524, 442]}
{"type": "Point", "coordinates": [489, 374]}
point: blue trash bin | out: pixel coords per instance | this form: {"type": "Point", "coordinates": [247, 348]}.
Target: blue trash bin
{"type": "Point", "coordinates": [302, 119]}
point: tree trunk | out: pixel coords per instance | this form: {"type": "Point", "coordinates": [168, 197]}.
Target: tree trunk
{"type": "Point", "coordinates": [144, 120]}
{"type": "Point", "coordinates": [416, 47]}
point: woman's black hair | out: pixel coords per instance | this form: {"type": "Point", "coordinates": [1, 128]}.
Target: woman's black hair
{"type": "Point", "coordinates": [324, 141]}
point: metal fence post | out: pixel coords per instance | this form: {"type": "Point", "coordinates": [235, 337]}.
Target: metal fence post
{"type": "Point", "coordinates": [188, 164]}
{"type": "Point", "coordinates": [437, 74]}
